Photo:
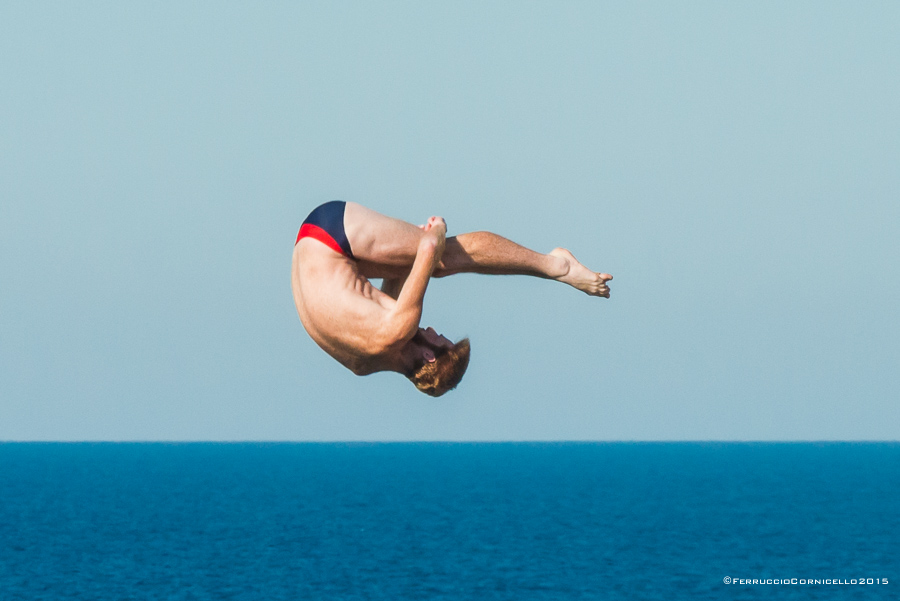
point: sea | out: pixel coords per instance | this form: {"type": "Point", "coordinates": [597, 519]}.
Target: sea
{"type": "Point", "coordinates": [480, 521]}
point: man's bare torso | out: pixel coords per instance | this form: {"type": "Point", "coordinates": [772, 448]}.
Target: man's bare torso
{"type": "Point", "coordinates": [338, 306]}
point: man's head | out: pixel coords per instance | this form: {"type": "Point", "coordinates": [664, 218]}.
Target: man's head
{"type": "Point", "coordinates": [438, 365]}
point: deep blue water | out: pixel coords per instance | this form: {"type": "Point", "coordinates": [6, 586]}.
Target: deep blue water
{"type": "Point", "coordinates": [447, 521]}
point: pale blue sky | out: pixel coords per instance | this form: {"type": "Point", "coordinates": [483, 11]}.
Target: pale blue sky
{"type": "Point", "coordinates": [736, 167]}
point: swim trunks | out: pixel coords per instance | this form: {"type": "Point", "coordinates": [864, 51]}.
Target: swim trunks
{"type": "Point", "coordinates": [326, 224]}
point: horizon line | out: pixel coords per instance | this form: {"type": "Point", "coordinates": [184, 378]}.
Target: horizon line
{"type": "Point", "coordinates": [451, 441]}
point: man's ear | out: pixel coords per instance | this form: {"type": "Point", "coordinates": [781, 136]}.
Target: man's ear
{"type": "Point", "coordinates": [428, 355]}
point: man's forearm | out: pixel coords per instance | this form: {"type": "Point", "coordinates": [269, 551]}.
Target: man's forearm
{"type": "Point", "coordinates": [408, 310]}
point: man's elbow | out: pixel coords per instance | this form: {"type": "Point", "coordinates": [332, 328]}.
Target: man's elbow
{"type": "Point", "coordinates": [395, 334]}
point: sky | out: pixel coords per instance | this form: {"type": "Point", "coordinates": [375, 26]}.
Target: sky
{"type": "Point", "coordinates": [733, 165]}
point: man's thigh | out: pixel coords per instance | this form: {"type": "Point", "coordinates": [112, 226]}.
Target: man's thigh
{"type": "Point", "coordinates": [380, 241]}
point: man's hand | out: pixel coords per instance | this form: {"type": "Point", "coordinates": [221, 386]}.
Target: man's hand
{"type": "Point", "coordinates": [436, 235]}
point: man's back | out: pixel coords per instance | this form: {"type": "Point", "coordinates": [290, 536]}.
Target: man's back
{"type": "Point", "coordinates": [342, 312]}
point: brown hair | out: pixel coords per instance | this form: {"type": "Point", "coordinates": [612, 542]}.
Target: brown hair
{"type": "Point", "coordinates": [445, 372]}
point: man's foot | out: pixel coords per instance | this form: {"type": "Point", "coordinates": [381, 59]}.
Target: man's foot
{"type": "Point", "coordinates": [580, 277]}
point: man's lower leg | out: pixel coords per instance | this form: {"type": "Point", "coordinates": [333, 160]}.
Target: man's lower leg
{"type": "Point", "coordinates": [488, 253]}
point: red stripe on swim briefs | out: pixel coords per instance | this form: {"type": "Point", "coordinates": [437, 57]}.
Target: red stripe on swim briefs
{"type": "Point", "coordinates": [309, 230]}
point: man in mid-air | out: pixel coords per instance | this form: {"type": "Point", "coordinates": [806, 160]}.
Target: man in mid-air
{"type": "Point", "coordinates": [342, 245]}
